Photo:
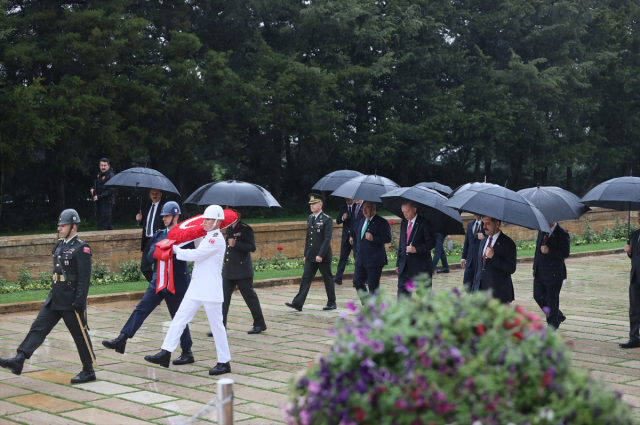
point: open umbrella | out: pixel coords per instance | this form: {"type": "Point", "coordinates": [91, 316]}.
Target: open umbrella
{"type": "Point", "coordinates": [430, 205]}
{"type": "Point", "coordinates": [440, 188]}
{"type": "Point", "coordinates": [502, 204]}
{"type": "Point", "coordinates": [367, 188]}
{"type": "Point", "coordinates": [474, 186]}
{"type": "Point", "coordinates": [139, 179]}
{"type": "Point", "coordinates": [233, 193]}
{"type": "Point", "coordinates": [556, 204]}
{"type": "Point", "coordinates": [334, 180]}
{"type": "Point", "coordinates": [622, 194]}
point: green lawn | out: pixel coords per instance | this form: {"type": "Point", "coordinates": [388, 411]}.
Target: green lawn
{"type": "Point", "coordinates": [272, 274]}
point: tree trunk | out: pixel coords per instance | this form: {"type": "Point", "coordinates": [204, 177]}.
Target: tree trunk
{"type": "Point", "coordinates": [487, 168]}
{"type": "Point", "coordinates": [476, 170]}
{"type": "Point", "coordinates": [545, 174]}
{"type": "Point", "coordinates": [569, 179]}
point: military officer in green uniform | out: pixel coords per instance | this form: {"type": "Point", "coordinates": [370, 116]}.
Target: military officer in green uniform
{"type": "Point", "coordinates": [67, 300]}
{"type": "Point", "coordinates": [317, 254]}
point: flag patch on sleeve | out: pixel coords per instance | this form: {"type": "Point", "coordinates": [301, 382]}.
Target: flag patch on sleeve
{"type": "Point", "coordinates": [212, 240]}
{"type": "Point", "coordinates": [87, 250]}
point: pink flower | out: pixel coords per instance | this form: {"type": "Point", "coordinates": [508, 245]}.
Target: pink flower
{"type": "Point", "coordinates": [410, 286]}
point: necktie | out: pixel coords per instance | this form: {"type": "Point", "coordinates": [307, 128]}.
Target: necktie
{"type": "Point", "coordinates": [476, 231]}
{"type": "Point", "coordinates": [364, 229]}
{"type": "Point", "coordinates": [546, 238]}
{"type": "Point", "coordinates": [152, 212]}
{"type": "Point", "coordinates": [355, 215]}
{"type": "Point", "coordinates": [409, 227]}
{"type": "Point", "coordinates": [484, 256]}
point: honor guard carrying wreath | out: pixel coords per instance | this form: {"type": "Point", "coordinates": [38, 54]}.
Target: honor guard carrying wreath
{"type": "Point", "coordinates": [317, 255]}
{"type": "Point", "coordinates": [67, 300]}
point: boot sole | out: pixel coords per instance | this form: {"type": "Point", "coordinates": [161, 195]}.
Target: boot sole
{"type": "Point", "coordinates": [83, 381]}
{"type": "Point", "coordinates": [119, 349]}
{"type": "Point", "coordinates": [166, 365]}
{"type": "Point", "coordinates": [221, 373]}
{"type": "Point", "coordinates": [183, 363]}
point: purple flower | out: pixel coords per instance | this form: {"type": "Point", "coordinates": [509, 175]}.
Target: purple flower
{"type": "Point", "coordinates": [546, 310]}
{"type": "Point", "coordinates": [360, 386]}
{"type": "Point", "coordinates": [305, 417]}
{"type": "Point", "coordinates": [383, 306]}
{"type": "Point", "coordinates": [401, 350]}
{"type": "Point", "coordinates": [377, 346]}
{"type": "Point", "coordinates": [397, 339]}
{"type": "Point", "coordinates": [378, 323]}
{"type": "Point", "coordinates": [410, 286]}
{"type": "Point", "coordinates": [361, 336]}
{"type": "Point", "coordinates": [368, 363]}
{"type": "Point", "coordinates": [332, 333]}
{"type": "Point", "coordinates": [314, 387]}
{"type": "Point", "coordinates": [455, 291]}
{"type": "Point", "coordinates": [351, 306]}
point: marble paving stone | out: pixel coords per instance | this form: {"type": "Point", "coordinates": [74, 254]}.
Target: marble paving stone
{"type": "Point", "coordinates": [129, 408]}
{"type": "Point", "coordinates": [7, 422]}
{"type": "Point", "coordinates": [179, 420]}
{"type": "Point", "coordinates": [259, 396]}
{"type": "Point", "coordinates": [50, 388]}
{"type": "Point", "coordinates": [34, 417]}
{"type": "Point", "coordinates": [101, 417]}
{"type": "Point", "coordinates": [119, 378]}
{"type": "Point", "coordinates": [8, 408]}
{"type": "Point", "coordinates": [52, 376]}
{"type": "Point", "coordinates": [255, 382]}
{"type": "Point", "coordinates": [106, 388]}
{"type": "Point", "coordinates": [147, 397]}
{"type": "Point", "coordinates": [45, 402]}
{"type": "Point", "coordinates": [260, 410]}
{"type": "Point", "coordinates": [161, 374]}
{"type": "Point", "coordinates": [260, 421]}
{"type": "Point", "coordinates": [275, 375]}
{"type": "Point", "coordinates": [203, 396]}
{"type": "Point", "coordinates": [9, 391]}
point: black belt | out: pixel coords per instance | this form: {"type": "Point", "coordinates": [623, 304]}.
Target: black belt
{"type": "Point", "coordinates": [62, 278]}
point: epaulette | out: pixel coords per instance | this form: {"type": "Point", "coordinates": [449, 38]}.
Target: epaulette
{"type": "Point", "coordinates": [80, 240]}
{"type": "Point", "coordinates": [245, 225]}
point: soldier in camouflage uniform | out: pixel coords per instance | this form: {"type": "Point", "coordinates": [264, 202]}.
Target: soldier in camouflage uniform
{"type": "Point", "coordinates": [67, 300]}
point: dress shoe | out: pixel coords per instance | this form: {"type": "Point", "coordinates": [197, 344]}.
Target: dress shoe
{"type": "Point", "coordinates": [443, 271]}
{"type": "Point", "coordinates": [185, 358]}
{"type": "Point", "coordinates": [330, 307]}
{"type": "Point", "coordinates": [257, 330]}
{"type": "Point", "coordinates": [14, 365]}
{"type": "Point", "coordinates": [84, 376]}
{"type": "Point", "coordinates": [220, 369]}
{"type": "Point", "coordinates": [293, 306]}
{"type": "Point", "coordinates": [163, 358]}
{"type": "Point", "coordinates": [337, 282]}
{"type": "Point", "coordinates": [632, 343]}
{"type": "Point", "coordinates": [117, 344]}
{"type": "Point", "coordinates": [561, 317]}
{"type": "Point", "coordinates": [210, 334]}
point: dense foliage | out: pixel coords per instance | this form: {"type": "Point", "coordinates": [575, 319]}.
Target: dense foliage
{"type": "Point", "coordinates": [281, 92]}
{"type": "Point", "coordinates": [448, 359]}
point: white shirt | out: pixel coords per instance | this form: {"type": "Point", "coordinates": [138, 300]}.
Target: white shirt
{"type": "Point", "coordinates": [554, 227]}
{"type": "Point", "coordinates": [494, 238]}
{"type": "Point", "coordinates": [206, 279]}
{"type": "Point", "coordinates": [152, 212]}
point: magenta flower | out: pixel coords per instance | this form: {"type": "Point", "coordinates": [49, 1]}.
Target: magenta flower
{"type": "Point", "coordinates": [377, 346]}
{"type": "Point", "coordinates": [314, 387]}
{"type": "Point", "coordinates": [351, 306]}
{"type": "Point", "coordinates": [410, 286]}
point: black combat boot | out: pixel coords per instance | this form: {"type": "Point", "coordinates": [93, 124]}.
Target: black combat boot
{"type": "Point", "coordinates": [163, 358]}
{"type": "Point", "coordinates": [220, 369]}
{"type": "Point", "coordinates": [185, 358]}
{"type": "Point", "coordinates": [14, 365]}
{"type": "Point", "coordinates": [117, 344]}
{"type": "Point", "coordinates": [87, 375]}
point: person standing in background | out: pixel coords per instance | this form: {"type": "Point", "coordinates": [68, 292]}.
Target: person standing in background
{"type": "Point", "coordinates": [103, 195]}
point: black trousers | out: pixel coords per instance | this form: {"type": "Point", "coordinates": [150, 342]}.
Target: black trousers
{"type": "Point", "coordinates": [363, 275]}
{"type": "Point", "coordinates": [310, 270]}
{"type": "Point", "coordinates": [245, 286]}
{"type": "Point", "coordinates": [547, 294]}
{"type": "Point", "coordinates": [469, 274]}
{"type": "Point", "coordinates": [634, 310]}
{"type": "Point", "coordinates": [146, 267]}
{"type": "Point", "coordinates": [104, 215]}
{"type": "Point", "coordinates": [439, 253]}
{"type": "Point", "coordinates": [345, 250]}
{"type": "Point", "coordinates": [43, 325]}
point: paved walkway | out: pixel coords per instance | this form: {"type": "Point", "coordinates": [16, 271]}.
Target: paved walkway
{"type": "Point", "coordinates": [132, 391]}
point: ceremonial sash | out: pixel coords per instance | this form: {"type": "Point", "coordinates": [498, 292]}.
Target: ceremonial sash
{"type": "Point", "coordinates": [164, 273]}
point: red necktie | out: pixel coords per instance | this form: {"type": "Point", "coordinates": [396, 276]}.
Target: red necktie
{"type": "Point", "coordinates": [546, 238]}
{"type": "Point", "coordinates": [484, 257]}
{"type": "Point", "coordinates": [409, 227]}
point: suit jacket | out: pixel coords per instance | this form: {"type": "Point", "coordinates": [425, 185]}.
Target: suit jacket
{"type": "Point", "coordinates": [410, 265]}
{"type": "Point", "coordinates": [157, 225]}
{"type": "Point", "coordinates": [635, 257]}
{"type": "Point", "coordinates": [496, 273]}
{"type": "Point", "coordinates": [319, 234]}
{"type": "Point", "coordinates": [551, 266]}
{"type": "Point", "coordinates": [237, 259]}
{"type": "Point", "coordinates": [181, 275]}
{"type": "Point", "coordinates": [346, 224]}
{"type": "Point", "coordinates": [372, 253]}
{"type": "Point", "coordinates": [472, 244]}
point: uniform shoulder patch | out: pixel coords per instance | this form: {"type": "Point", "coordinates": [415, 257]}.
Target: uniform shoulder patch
{"type": "Point", "coordinates": [87, 250]}
{"type": "Point", "coordinates": [215, 235]}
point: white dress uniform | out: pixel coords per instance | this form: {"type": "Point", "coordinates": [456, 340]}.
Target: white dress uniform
{"type": "Point", "coordinates": [205, 290]}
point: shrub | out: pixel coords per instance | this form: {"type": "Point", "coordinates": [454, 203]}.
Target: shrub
{"type": "Point", "coordinates": [130, 271]}
{"type": "Point", "coordinates": [448, 359]}
{"type": "Point", "coordinates": [99, 270]}
{"type": "Point", "coordinates": [3, 281]}
{"type": "Point", "coordinates": [24, 278]}
{"type": "Point", "coordinates": [44, 279]}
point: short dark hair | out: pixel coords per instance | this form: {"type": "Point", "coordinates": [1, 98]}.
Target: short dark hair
{"type": "Point", "coordinates": [411, 203]}
{"type": "Point", "coordinates": [105, 160]}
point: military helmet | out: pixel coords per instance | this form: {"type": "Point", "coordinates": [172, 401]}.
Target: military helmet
{"type": "Point", "coordinates": [69, 216]}
{"type": "Point", "coordinates": [171, 208]}
{"type": "Point", "coordinates": [214, 211]}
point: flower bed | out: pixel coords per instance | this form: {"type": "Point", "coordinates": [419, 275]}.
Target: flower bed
{"type": "Point", "coordinates": [448, 359]}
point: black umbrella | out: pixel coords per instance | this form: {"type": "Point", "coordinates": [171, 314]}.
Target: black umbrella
{"type": "Point", "coordinates": [138, 179]}
{"type": "Point", "coordinates": [502, 204]}
{"type": "Point", "coordinates": [430, 203]}
{"type": "Point", "coordinates": [233, 193]}
{"type": "Point", "coordinates": [474, 186]}
{"type": "Point", "coordinates": [440, 188]}
{"type": "Point", "coordinates": [554, 203]}
{"type": "Point", "coordinates": [622, 194]}
{"type": "Point", "coordinates": [334, 180]}
{"type": "Point", "coordinates": [367, 188]}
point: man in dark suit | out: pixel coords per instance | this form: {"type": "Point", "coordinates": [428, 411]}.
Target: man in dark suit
{"type": "Point", "coordinates": [633, 251]}
{"type": "Point", "coordinates": [317, 255]}
{"type": "Point", "coordinates": [152, 223]}
{"type": "Point", "coordinates": [344, 218]}
{"type": "Point", "coordinates": [104, 195]}
{"type": "Point", "coordinates": [369, 241]}
{"type": "Point", "coordinates": [549, 271]}
{"type": "Point", "coordinates": [238, 271]}
{"type": "Point", "coordinates": [414, 248]}
{"type": "Point", "coordinates": [181, 278]}
{"type": "Point", "coordinates": [472, 242]}
{"type": "Point", "coordinates": [496, 262]}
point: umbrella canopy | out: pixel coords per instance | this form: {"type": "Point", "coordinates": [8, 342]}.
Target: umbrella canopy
{"type": "Point", "coordinates": [334, 180]}
{"type": "Point", "coordinates": [367, 188]}
{"type": "Point", "coordinates": [233, 193]}
{"type": "Point", "coordinates": [440, 188]}
{"type": "Point", "coordinates": [474, 186]}
{"type": "Point", "coordinates": [502, 204]}
{"type": "Point", "coordinates": [138, 179]}
{"type": "Point", "coordinates": [444, 220]}
{"type": "Point", "coordinates": [556, 204]}
{"type": "Point", "coordinates": [622, 194]}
